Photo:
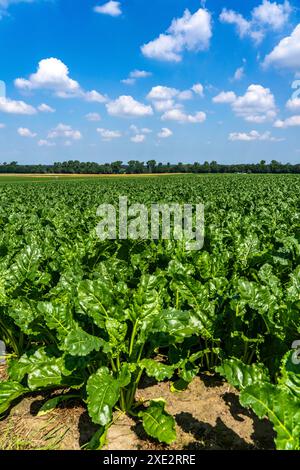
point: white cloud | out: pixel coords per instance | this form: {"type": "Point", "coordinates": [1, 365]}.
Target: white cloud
{"type": "Point", "coordinates": [93, 117]}
{"type": "Point", "coordinates": [127, 106]}
{"type": "Point", "coordinates": [108, 135]}
{"type": "Point", "coordinates": [257, 105]}
{"type": "Point", "coordinates": [128, 81]}
{"type": "Point", "coordinates": [63, 130]}
{"type": "Point", "coordinates": [136, 130]}
{"type": "Point", "coordinates": [185, 95]}
{"type": "Point", "coordinates": [225, 97]}
{"type": "Point", "coordinates": [24, 132]}
{"type": "Point", "coordinates": [268, 15]}
{"type": "Point", "coordinates": [140, 74]}
{"type": "Point", "coordinates": [180, 116]}
{"type": "Point", "coordinates": [164, 105]}
{"type": "Point", "coordinates": [52, 74]}
{"type": "Point", "coordinates": [46, 143]}
{"type": "Point", "coordinates": [2, 126]}
{"type": "Point", "coordinates": [286, 54]}
{"type": "Point", "coordinates": [239, 74]}
{"type": "Point", "coordinates": [94, 97]}
{"type": "Point", "coordinates": [134, 75]}
{"type": "Point", "coordinates": [146, 130]}
{"type": "Point", "coordinates": [191, 32]}
{"type": "Point", "coordinates": [293, 121]}
{"type": "Point", "coordinates": [15, 107]}
{"type": "Point", "coordinates": [293, 104]}
{"type": "Point", "coordinates": [45, 108]}
{"type": "Point", "coordinates": [251, 136]}
{"type": "Point", "coordinates": [110, 8]}
{"type": "Point", "coordinates": [272, 14]}
{"type": "Point", "coordinates": [162, 93]}
{"type": "Point", "coordinates": [5, 4]}
{"type": "Point", "coordinates": [198, 89]}
{"type": "Point", "coordinates": [231, 17]}
{"type": "Point", "coordinates": [163, 97]}
{"type": "Point", "coordinates": [138, 139]}
{"type": "Point", "coordinates": [165, 133]}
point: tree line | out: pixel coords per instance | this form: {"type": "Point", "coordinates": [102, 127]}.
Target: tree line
{"type": "Point", "coordinates": [151, 166]}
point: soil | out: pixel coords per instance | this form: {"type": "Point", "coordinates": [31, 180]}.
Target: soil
{"type": "Point", "coordinates": [208, 416]}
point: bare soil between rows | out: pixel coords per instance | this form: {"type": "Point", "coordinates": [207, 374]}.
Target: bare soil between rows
{"type": "Point", "coordinates": [208, 416]}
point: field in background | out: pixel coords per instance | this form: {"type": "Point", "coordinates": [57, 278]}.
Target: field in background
{"type": "Point", "coordinates": [84, 315]}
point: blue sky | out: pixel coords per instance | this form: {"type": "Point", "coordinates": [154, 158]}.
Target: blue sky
{"type": "Point", "coordinates": [170, 80]}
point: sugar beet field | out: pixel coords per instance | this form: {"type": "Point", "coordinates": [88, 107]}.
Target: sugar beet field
{"type": "Point", "coordinates": [141, 344]}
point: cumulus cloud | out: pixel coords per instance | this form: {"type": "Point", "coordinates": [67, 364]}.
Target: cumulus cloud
{"type": "Point", "coordinates": [140, 74]}
{"type": "Point", "coordinates": [198, 89]}
{"type": "Point", "coordinates": [191, 32]}
{"type": "Point", "coordinates": [110, 8]}
{"type": "Point", "coordinates": [239, 74]}
{"type": "Point", "coordinates": [93, 117]}
{"type": "Point", "coordinates": [164, 105]}
{"type": "Point", "coordinates": [257, 105]}
{"type": "Point", "coordinates": [225, 97]}
{"type": "Point", "coordinates": [52, 74]}
{"type": "Point", "coordinates": [138, 139]}
{"type": "Point", "coordinates": [24, 132]}
{"type": "Point", "coordinates": [16, 107]}
{"type": "Point", "coordinates": [127, 106]}
{"type": "Point", "coordinates": [165, 133]}
{"type": "Point", "coordinates": [268, 16]}
{"type": "Point", "coordinates": [272, 14]}
{"type": "Point", "coordinates": [128, 81]}
{"type": "Point", "coordinates": [136, 130]}
{"type": "Point", "coordinates": [64, 131]}
{"type": "Point", "coordinates": [293, 104]}
{"type": "Point", "coordinates": [163, 97]}
{"type": "Point", "coordinates": [293, 121]}
{"type": "Point", "coordinates": [251, 136]}
{"type": "Point", "coordinates": [108, 135]}
{"type": "Point", "coordinates": [162, 93]}
{"type": "Point", "coordinates": [46, 143]}
{"type": "Point", "coordinates": [286, 54]}
{"type": "Point", "coordinates": [180, 116]}
{"type": "Point", "coordinates": [134, 75]}
{"type": "Point", "coordinates": [45, 108]}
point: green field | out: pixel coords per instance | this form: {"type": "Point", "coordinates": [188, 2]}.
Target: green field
{"type": "Point", "coordinates": [93, 318]}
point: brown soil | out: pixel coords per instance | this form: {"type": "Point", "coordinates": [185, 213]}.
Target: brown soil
{"type": "Point", "coordinates": [208, 416]}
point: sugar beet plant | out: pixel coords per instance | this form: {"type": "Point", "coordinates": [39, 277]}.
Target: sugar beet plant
{"type": "Point", "coordinates": [88, 319]}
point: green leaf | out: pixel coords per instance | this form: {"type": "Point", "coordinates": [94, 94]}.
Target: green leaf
{"type": "Point", "coordinates": [53, 403]}
{"type": "Point", "coordinates": [9, 391]}
{"type": "Point", "coordinates": [80, 343]}
{"type": "Point", "coordinates": [241, 375]}
{"type": "Point", "coordinates": [177, 323]}
{"type": "Point", "coordinates": [157, 370]}
{"type": "Point", "coordinates": [280, 407]}
{"type": "Point", "coordinates": [103, 392]}
{"type": "Point", "coordinates": [42, 368]}
{"type": "Point", "coordinates": [98, 440]}
{"type": "Point", "coordinates": [94, 297]}
{"type": "Point", "coordinates": [290, 371]}
{"type": "Point", "coordinates": [158, 423]}
{"type": "Point", "coordinates": [57, 317]}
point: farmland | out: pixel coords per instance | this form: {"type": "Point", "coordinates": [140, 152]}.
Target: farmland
{"type": "Point", "coordinates": [93, 321]}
